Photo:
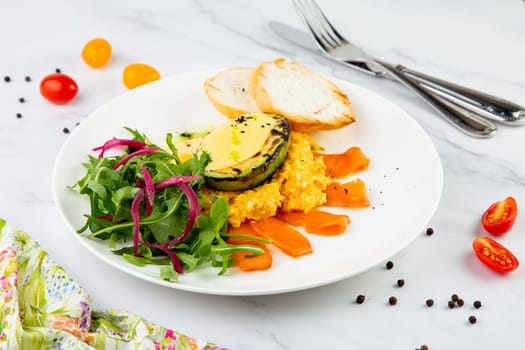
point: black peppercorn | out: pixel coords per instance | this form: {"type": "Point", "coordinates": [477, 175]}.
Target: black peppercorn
{"type": "Point", "coordinates": [477, 304]}
{"type": "Point", "coordinates": [65, 130]}
{"type": "Point", "coordinates": [21, 100]}
{"type": "Point", "coordinates": [454, 297]}
{"type": "Point", "coordinates": [19, 115]}
{"type": "Point", "coordinates": [400, 283]}
{"type": "Point", "coordinates": [451, 304]}
{"type": "Point", "coordinates": [430, 231]}
{"type": "Point", "coordinates": [472, 319]}
{"type": "Point", "coordinates": [429, 302]}
{"type": "Point", "coordinates": [27, 78]}
{"type": "Point", "coordinates": [7, 78]}
{"type": "Point", "coordinates": [58, 70]}
{"type": "Point", "coordinates": [392, 300]}
{"type": "Point", "coordinates": [360, 299]}
{"type": "Point", "coordinates": [389, 265]}
{"type": "Point", "coordinates": [460, 302]}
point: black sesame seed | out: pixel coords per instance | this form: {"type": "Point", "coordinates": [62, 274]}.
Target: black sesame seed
{"type": "Point", "coordinates": [451, 304]}
{"type": "Point", "coordinates": [472, 319]}
{"type": "Point", "coordinates": [460, 302]}
{"type": "Point", "coordinates": [65, 130]}
{"type": "Point", "coordinates": [27, 78]}
{"type": "Point", "coordinates": [360, 299]}
{"type": "Point", "coordinates": [389, 265]}
{"type": "Point", "coordinates": [429, 302]}
{"type": "Point", "coordinates": [392, 300]}
{"type": "Point", "coordinates": [477, 304]}
{"type": "Point", "coordinates": [19, 115]}
{"type": "Point", "coordinates": [400, 283]}
{"type": "Point", "coordinates": [21, 100]}
{"type": "Point", "coordinates": [430, 231]}
{"type": "Point", "coordinates": [454, 297]}
{"type": "Point", "coordinates": [7, 78]}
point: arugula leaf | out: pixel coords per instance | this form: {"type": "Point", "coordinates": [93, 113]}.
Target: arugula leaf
{"type": "Point", "coordinates": [111, 193]}
{"type": "Point", "coordinates": [169, 227]}
{"type": "Point", "coordinates": [168, 274]}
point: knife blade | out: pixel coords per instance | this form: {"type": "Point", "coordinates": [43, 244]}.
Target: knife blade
{"type": "Point", "coordinates": [305, 41]}
{"type": "Point", "coordinates": [294, 35]}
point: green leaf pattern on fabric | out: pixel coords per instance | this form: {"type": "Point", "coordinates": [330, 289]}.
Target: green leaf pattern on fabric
{"type": "Point", "coordinates": [42, 307]}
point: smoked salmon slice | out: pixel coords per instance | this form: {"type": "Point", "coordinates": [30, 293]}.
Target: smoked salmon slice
{"type": "Point", "coordinates": [349, 194]}
{"type": "Point", "coordinates": [245, 260]}
{"type": "Point", "coordinates": [344, 164]}
{"type": "Point", "coordinates": [317, 221]}
{"type": "Point", "coordinates": [283, 236]}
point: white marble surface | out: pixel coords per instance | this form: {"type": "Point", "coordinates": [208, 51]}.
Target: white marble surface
{"type": "Point", "coordinates": [479, 44]}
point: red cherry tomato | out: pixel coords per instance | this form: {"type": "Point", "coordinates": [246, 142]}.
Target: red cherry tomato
{"type": "Point", "coordinates": [58, 88]}
{"type": "Point", "coordinates": [494, 255]}
{"type": "Point", "coordinates": [500, 216]}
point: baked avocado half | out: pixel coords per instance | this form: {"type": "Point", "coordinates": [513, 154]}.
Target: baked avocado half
{"type": "Point", "coordinates": [246, 151]}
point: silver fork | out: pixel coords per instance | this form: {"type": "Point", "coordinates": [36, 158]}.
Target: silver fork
{"type": "Point", "coordinates": [463, 107]}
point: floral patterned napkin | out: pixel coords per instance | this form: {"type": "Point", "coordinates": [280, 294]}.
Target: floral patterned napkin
{"type": "Point", "coordinates": [42, 307]}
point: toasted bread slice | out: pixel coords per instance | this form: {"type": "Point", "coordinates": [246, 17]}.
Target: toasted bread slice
{"type": "Point", "coordinates": [228, 91]}
{"type": "Point", "coordinates": [308, 100]}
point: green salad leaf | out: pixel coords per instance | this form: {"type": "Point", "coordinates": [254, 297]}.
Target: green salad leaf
{"type": "Point", "coordinates": [146, 204]}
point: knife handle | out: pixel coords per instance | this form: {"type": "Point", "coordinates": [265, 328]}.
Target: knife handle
{"type": "Point", "coordinates": [462, 118]}
{"type": "Point", "coordinates": [481, 103]}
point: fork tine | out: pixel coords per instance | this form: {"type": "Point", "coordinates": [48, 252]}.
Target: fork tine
{"type": "Point", "coordinates": [313, 25]}
{"type": "Point", "coordinates": [331, 31]}
{"type": "Point", "coordinates": [325, 34]}
{"type": "Point", "coordinates": [320, 20]}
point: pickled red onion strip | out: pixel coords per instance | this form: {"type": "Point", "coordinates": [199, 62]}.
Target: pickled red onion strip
{"type": "Point", "coordinates": [114, 142]}
{"type": "Point", "coordinates": [138, 153]}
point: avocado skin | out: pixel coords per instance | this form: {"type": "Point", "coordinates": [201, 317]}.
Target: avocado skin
{"type": "Point", "coordinates": [255, 170]}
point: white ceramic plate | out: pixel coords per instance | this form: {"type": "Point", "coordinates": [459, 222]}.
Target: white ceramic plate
{"type": "Point", "coordinates": [404, 176]}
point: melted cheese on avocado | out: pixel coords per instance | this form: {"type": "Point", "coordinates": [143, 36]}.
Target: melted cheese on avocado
{"type": "Point", "coordinates": [187, 148]}
{"type": "Point", "coordinates": [236, 141]}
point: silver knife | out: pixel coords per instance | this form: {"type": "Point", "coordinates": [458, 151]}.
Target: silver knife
{"type": "Point", "coordinates": [477, 102]}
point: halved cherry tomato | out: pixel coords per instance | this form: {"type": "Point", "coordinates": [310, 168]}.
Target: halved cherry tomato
{"type": "Point", "coordinates": [138, 74]}
{"type": "Point", "coordinates": [494, 255]}
{"type": "Point", "coordinates": [500, 216]}
{"type": "Point", "coordinates": [96, 52]}
{"type": "Point", "coordinates": [58, 88]}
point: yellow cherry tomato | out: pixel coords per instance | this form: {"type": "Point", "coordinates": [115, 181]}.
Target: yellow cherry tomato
{"type": "Point", "coordinates": [138, 74]}
{"type": "Point", "coordinates": [96, 52]}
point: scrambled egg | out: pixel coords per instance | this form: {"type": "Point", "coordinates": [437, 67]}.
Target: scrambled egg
{"type": "Point", "coordinates": [298, 185]}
